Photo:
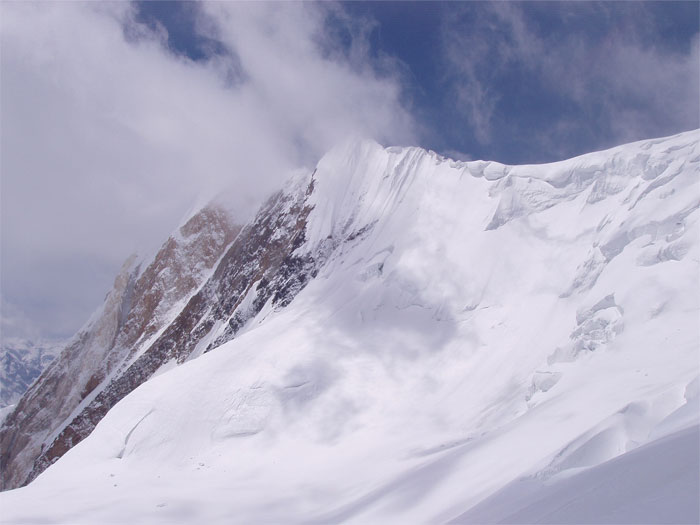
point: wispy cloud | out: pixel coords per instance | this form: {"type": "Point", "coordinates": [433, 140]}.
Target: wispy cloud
{"type": "Point", "coordinates": [108, 136]}
{"type": "Point", "coordinates": [584, 74]}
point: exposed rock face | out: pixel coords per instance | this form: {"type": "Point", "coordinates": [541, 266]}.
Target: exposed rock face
{"type": "Point", "coordinates": [139, 306]}
{"type": "Point", "coordinates": [260, 266]}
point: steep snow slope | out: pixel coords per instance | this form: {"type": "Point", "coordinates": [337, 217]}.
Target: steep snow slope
{"type": "Point", "coordinates": [466, 325]}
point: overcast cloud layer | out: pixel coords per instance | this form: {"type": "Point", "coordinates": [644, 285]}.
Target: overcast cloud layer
{"type": "Point", "coordinates": [108, 137]}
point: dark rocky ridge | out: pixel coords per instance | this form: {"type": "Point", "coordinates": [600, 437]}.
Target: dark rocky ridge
{"type": "Point", "coordinates": [139, 306]}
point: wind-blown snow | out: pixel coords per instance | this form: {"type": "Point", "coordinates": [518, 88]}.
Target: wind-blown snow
{"type": "Point", "coordinates": [475, 326]}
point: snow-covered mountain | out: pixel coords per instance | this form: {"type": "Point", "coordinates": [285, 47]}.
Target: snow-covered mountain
{"type": "Point", "coordinates": [398, 337]}
{"type": "Point", "coordinates": [21, 362]}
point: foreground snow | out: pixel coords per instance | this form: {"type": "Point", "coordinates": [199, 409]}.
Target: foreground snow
{"type": "Point", "coordinates": [656, 483]}
{"type": "Point", "coordinates": [480, 345]}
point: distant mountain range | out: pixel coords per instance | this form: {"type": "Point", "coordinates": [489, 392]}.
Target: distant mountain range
{"type": "Point", "coordinates": [21, 362]}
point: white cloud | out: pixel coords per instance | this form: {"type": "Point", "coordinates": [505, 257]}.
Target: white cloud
{"type": "Point", "coordinates": [625, 87]}
{"type": "Point", "coordinates": [106, 140]}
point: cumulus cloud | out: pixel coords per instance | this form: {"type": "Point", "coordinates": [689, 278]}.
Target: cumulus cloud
{"type": "Point", "coordinates": [108, 136]}
{"type": "Point", "coordinates": [595, 63]}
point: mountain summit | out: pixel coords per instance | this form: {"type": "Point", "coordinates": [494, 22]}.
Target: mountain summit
{"type": "Point", "coordinates": [395, 336]}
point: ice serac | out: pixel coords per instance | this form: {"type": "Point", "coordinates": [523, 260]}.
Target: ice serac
{"type": "Point", "coordinates": [436, 331]}
{"type": "Point", "coordinates": [141, 303]}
